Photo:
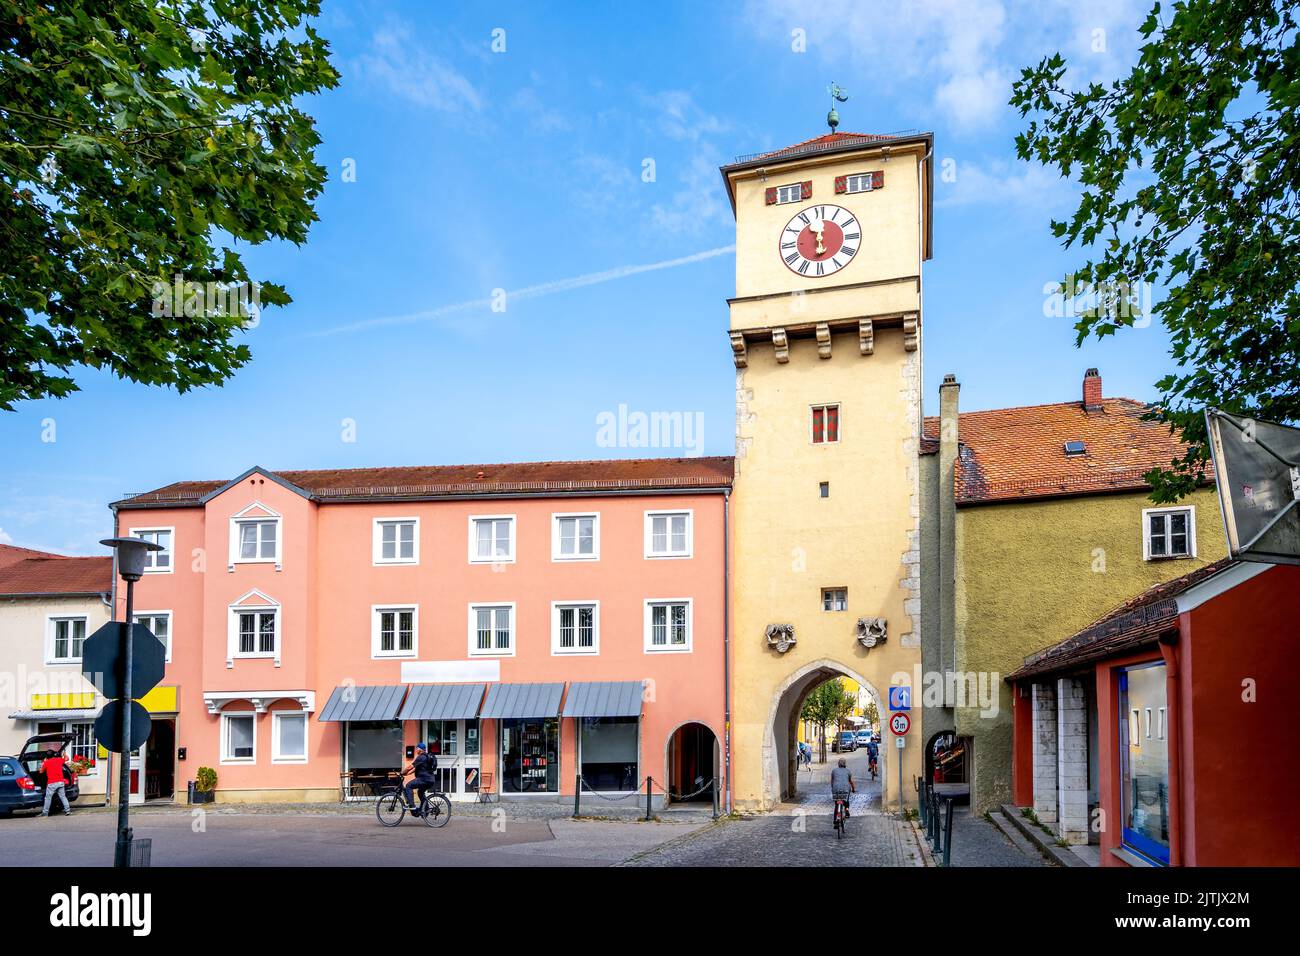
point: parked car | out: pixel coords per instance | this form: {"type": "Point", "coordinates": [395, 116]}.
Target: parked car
{"type": "Point", "coordinates": [846, 741]}
{"type": "Point", "coordinates": [864, 737]}
{"type": "Point", "coordinates": [22, 782]}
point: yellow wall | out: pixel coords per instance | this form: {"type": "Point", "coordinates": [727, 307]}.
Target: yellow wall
{"type": "Point", "coordinates": [1029, 575]}
{"type": "Point", "coordinates": [790, 542]}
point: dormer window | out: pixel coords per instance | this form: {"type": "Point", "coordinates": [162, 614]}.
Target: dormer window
{"type": "Point", "coordinates": [1075, 449]}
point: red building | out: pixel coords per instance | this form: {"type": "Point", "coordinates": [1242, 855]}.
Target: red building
{"type": "Point", "coordinates": [1154, 733]}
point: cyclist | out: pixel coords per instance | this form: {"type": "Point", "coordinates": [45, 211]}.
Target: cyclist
{"type": "Point", "coordinates": [873, 753]}
{"type": "Point", "coordinates": [842, 784]}
{"type": "Point", "coordinates": [423, 766]}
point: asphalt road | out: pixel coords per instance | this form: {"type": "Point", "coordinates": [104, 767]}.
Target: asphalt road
{"type": "Point", "coordinates": [181, 838]}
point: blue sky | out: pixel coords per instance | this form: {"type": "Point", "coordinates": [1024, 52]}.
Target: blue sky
{"type": "Point", "coordinates": [520, 170]}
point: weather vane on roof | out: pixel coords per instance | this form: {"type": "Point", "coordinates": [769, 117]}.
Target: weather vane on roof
{"type": "Point", "coordinates": [837, 96]}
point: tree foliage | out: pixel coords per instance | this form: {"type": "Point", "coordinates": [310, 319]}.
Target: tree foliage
{"type": "Point", "coordinates": [1189, 167]}
{"type": "Point", "coordinates": [142, 140]}
{"type": "Point", "coordinates": [827, 704]}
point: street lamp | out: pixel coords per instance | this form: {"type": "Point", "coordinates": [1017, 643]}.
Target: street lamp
{"type": "Point", "coordinates": [129, 554]}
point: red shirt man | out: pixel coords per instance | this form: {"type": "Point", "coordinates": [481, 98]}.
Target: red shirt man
{"type": "Point", "coordinates": [53, 768]}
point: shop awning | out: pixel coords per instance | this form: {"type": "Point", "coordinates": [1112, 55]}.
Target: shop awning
{"type": "Point", "coordinates": [364, 703]}
{"type": "Point", "coordinates": [523, 700]}
{"type": "Point", "coordinates": [76, 713]}
{"type": "Point", "coordinates": [606, 698]}
{"type": "Point", "coordinates": [443, 701]}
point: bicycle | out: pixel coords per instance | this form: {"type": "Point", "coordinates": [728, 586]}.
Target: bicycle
{"type": "Point", "coordinates": [872, 767]}
{"type": "Point", "coordinates": [841, 805]}
{"type": "Point", "coordinates": [391, 807]}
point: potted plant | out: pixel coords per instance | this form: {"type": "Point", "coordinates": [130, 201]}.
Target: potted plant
{"type": "Point", "coordinates": [204, 786]}
{"type": "Point", "coordinates": [82, 765]}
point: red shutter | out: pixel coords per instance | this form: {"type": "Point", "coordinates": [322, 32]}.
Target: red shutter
{"type": "Point", "coordinates": [807, 190]}
{"type": "Point", "coordinates": [841, 184]}
{"type": "Point", "coordinates": [833, 423]}
{"type": "Point", "coordinates": [877, 179]}
{"type": "Point", "coordinates": [770, 195]}
{"type": "Point", "coordinates": [817, 424]}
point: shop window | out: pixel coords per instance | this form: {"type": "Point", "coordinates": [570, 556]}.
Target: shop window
{"type": "Point", "coordinates": [1144, 761]}
{"type": "Point", "coordinates": [608, 750]}
{"type": "Point", "coordinates": [530, 755]}
{"type": "Point", "coordinates": [374, 750]}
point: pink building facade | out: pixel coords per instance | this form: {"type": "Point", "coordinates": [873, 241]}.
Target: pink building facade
{"type": "Point", "coordinates": [532, 622]}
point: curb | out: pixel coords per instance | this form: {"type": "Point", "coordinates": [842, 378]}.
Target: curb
{"type": "Point", "coordinates": [1056, 854]}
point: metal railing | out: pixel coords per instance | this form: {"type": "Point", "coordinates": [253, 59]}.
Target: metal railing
{"type": "Point", "coordinates": [580, 784]}
{"type": "Point", "coordinates": [936, 820]}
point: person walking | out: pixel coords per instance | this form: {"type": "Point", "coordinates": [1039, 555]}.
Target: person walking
{"type": "Point", "coordinates": [56, 781]}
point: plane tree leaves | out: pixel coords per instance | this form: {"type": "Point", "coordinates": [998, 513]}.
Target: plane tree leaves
{"type": "Point", "coordinates": [1189, 167]}
{"type": "Point", "coordinates": [141, 141]}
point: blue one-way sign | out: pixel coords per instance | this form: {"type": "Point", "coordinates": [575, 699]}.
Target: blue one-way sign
{"type": "Point", "coordinates": [900, 697]}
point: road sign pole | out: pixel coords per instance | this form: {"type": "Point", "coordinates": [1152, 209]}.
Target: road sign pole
{"type": "Point", "coordinates": [122, 852]}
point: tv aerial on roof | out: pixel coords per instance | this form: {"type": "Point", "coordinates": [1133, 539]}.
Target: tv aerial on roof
{"type": "Point", "coordinates": [1257, 471]}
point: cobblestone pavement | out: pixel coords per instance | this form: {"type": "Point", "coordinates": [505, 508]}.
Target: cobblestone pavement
{"type": "Point", "coordinates": [799, 833]}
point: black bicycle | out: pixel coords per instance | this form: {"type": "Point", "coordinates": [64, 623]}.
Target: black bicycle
{"type": "Point", "coordinates": [391, 807]}
{"type": "Point", "coordinates": [841, 807]}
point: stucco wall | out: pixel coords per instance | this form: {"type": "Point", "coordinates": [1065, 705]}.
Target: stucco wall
{"type": "Point", "coordinates": [1030, 574]}
{"type": "Point", "coordinates": [935, 718]}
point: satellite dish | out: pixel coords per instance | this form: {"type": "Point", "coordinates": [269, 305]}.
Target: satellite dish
{"type": "Point", "coordinates": [1257, 470]}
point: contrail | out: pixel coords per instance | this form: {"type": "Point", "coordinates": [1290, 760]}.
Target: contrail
{"type": "Point", "coordinates": [530, 292]}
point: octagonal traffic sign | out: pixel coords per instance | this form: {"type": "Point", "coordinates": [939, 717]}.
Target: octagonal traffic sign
{"type": "Point", "coordinates": [102, 661]}
{"type": "Point", "coordinates": [108, 725]}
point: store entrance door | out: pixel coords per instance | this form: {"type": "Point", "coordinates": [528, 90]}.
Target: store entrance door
{"type": "Point", "coordinates": [456, 745]}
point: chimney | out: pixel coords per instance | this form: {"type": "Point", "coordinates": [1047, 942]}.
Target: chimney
{"type": "Point", "coordinates": [1091, 391]}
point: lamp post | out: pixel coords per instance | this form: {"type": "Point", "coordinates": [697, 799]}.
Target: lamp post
{"type": "Point", "coordinates": [129, 554]}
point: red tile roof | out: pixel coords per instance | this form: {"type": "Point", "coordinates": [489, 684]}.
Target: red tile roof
{"type": "Point", "coordinates": [825, 141]}
{"type": "Point", "coordinates": [1013, 454]}
{"type": "Point", "coordinates": [1138, 622]}
{"type": "Point", "coordinates": [55, 574]}
{"type": "Point", "coordinates": [437, 481]}
{"type": "Point", "coordinates": [12, 554]}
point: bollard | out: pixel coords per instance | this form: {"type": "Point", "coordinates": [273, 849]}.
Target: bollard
{"type": "Point", "coordinates": [715, 798]}
{"type": "Point", "coordinates": [923, 806]}
{"type": "Point", "coordinates": [577, 793]}
{"type": "Point", "coordinates": [648, 781]}
{"type": "Point", "coordinates": [947, 834]}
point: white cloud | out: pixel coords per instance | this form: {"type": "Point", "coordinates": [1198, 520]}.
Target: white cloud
{"type": "Point", "coordinates": [1001, 182]}
{"type": "Point", "coordinates": [397, 62]}
{"type": "Point", "coordinates": [5, 537]}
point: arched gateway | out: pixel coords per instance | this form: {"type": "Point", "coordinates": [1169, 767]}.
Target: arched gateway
{"type": "Point", "coordinates": [780, 778]}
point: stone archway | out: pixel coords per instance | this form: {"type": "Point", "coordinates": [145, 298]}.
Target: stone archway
{"type": "Point", "coordinates": [779, 773]}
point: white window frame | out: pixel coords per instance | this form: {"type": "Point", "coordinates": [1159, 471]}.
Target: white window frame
{"type": "Point", "coordinates": [851, 178]}
{"type": "Point", "coordinates": [839, 424]}
{"type": "Point", "coordinates": [151, 556]}
{"type": "Point", "coordinates": [376, 612]}
{"type": "Point", "coordinates": [1146, 532]}
{"type": "Point", "coordinates": [243, 517]}
{"type": "Point", "coordinates": [557, 517]}
{"type": "Point", "coordinates": [170, 618]}
{"type": "Point", "coordinates": [832, 590]}
{"type": "Point", "coordinates": [686, 648]}
{"type": "Point", "coordinates": [225, 757]}
{"type": "Point", "coordinates": [473, 539]}
{"type": "Point", "coordinates": [472, 637]}
{"type": "Point", "coordinates": [690, 533]}
{"type": "Point", "coordinates": [51, 622]}
{"type": "Point", "coordinates": [556, 649]}
{"type": "Point", "coordinates": [783, 197]}
{"type": "Point", "coordinates": [276, 717]}
{"type": "Point", "coordinates": [377, 543]}
{"type": "Point", "coordinates": [232, 638]}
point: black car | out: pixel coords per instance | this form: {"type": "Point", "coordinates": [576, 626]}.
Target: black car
{"type": "Point", "coordinates": [22, 782]}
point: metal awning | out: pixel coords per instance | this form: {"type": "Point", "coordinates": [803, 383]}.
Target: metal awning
{"type": "Point", "coordinates": [523, 700]}
{"type": "Point", "coordinates": [606, 698]}
{"type": "Point", "coordinates": [364, 703]}
{"type": "Point", "coordinates": [443, 701]}
{"type": "Point", "coordinates": [78, 713]}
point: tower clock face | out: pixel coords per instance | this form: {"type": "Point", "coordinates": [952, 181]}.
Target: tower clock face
{"type": "Point", "coordinates": [820, 240]}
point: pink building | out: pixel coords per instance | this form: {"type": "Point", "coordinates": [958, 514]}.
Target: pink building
{"type": "Point", "coordinates": [531, 621]}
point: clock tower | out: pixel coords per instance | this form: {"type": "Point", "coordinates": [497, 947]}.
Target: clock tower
{"type": "Point", "coordinates": [826, 335]}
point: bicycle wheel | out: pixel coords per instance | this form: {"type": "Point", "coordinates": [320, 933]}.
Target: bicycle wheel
{"type": "Point", "coordinates": [390, 809]}
{"type": "Point", "coordinates": [437, 810]}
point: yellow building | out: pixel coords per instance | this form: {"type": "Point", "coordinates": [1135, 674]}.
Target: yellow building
{"type": "Point", "coordinates": [826, 331]}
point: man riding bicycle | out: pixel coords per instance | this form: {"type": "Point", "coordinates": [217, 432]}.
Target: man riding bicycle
{"type": "Point", "coordinates": [424, 766]}
{"type": "Point", "coordinates": [873, 753]}
{"type": "Point", "coordinates": [842, 784]}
